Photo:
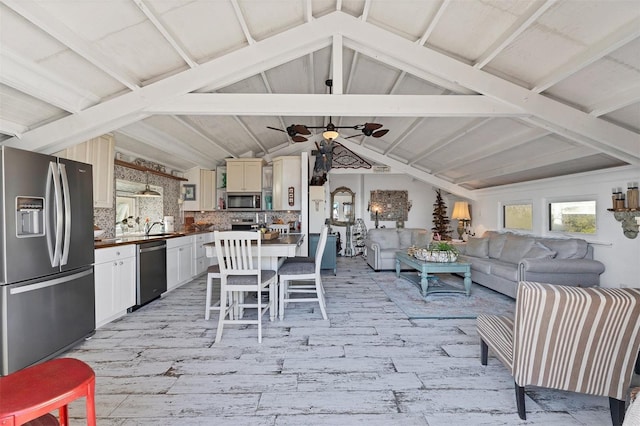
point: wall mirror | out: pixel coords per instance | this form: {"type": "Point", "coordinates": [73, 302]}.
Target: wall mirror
{"type": "Point", "coordinates": [342, 206]}
{"type": "Point", "coordinates": [130, 206]}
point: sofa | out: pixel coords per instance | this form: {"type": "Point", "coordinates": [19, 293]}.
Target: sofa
{"type": "Point", "coordinates": [500, 260]}
{"type": "Point", "coordinates": [383, 243]}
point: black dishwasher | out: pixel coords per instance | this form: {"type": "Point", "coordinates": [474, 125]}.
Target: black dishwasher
{"type": "Point", "coordinates": [152, 271]}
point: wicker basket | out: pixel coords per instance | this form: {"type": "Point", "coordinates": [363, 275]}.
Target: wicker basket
{"type": "Point", "coordinates": [439, 256]}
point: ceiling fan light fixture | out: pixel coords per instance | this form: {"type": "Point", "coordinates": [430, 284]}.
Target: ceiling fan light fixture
{"type": "Point", "coordinates": [330, 135]}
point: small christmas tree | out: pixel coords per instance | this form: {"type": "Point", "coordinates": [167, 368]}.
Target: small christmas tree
{"type": "Point", "coordinates": [440, 219]}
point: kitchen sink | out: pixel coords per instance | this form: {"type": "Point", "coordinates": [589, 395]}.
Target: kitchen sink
{"type": "Point", "coordinates": [166, 234]}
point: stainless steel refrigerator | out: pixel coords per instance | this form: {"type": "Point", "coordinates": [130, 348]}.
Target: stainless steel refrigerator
{"type": "Point", "coordinates": [47, 296]}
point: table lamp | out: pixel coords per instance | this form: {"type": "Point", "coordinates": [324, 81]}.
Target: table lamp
{"type": "Point", "coordinates": [461, 213]}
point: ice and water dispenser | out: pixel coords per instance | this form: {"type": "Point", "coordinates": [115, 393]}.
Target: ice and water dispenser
{"type": "Point", "coordinates": [29, 216]}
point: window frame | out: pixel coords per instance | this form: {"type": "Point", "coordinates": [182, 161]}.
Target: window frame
{"type": "Point", "coordinates": [582, 199]}
{"type": "Point", "coordinates": [503, 214]}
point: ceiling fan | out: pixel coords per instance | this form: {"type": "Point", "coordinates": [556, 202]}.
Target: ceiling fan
{"type": "Point", "coordinates": [297, 132]}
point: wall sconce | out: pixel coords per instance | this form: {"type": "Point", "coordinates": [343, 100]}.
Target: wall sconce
{"type": "Point", "coordinates": [461, 213]}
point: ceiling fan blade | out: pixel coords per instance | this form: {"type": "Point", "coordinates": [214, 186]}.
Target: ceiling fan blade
{"type": "Point", "coordinates": [302, 129]}
{"type": "Point", "coordinates": [273, 128]}
{"type": "Point", "coordinates": [372, 126]}
{"type": "Point", "coordinates": [298, 138]}
{"type": "Point", "coordinates": [380, 133]}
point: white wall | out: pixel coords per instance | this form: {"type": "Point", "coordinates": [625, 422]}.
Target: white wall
{"type": "Point", "coordinates": [620, 255]}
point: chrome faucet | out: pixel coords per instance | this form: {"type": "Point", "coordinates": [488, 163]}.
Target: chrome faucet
{"type": "Point", "coordinates": [147, 227]}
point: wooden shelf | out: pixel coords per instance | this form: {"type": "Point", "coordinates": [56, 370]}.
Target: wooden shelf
{"type": "Point", "coordinates": [146, 169]}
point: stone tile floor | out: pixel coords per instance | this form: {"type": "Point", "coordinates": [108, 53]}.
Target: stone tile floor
{"type": "Point", "coordinates": [368, 364]}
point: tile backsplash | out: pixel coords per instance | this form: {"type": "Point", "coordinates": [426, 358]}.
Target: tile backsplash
{"type": "Point", "coordinates": [105, 218]}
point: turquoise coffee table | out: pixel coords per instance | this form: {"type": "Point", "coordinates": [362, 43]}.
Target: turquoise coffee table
{"type": "Point", "coordinates": [427, 269]}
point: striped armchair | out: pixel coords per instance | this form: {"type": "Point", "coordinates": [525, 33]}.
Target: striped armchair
{"type": "Point", "coordinates": [583, 340]}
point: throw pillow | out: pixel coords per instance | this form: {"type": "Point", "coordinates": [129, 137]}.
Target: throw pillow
{"type": "Point", "coordinates": [515, 247]}
{"type": "Point", "coordinates": [496, 243]}
{"type": "Point", "coordinates": [540, 251]}
{"type": "Point", "coordinates": [571, 248]}
{"type": "Point", "coordinates": [477, 247]}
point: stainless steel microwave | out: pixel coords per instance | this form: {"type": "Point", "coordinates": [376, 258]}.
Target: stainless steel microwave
{"type": "Point", "coordinates": [244, 201]}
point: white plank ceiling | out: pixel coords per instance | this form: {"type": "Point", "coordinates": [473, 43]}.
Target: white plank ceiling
{"type": "Point", "coordinates": [475, 93]}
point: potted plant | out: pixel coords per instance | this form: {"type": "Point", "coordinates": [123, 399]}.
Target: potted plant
{"type": "Point", "coordinates": [438, 251]}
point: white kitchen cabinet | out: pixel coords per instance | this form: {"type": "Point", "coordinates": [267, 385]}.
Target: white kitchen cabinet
{"type": "Point", "coordinates": [99, 152]}
{"type": "Point", "coordinates": [115, 282]}
{"type": "Point", "coordinates": [180, 264]}
{"type": "Point", "coordinates": [207, 190]}
{"type": "Point", "coordinates": [205, 182]}
{"type": "Point", "coordinates": [287, 183]}
{"type": "Point", "coordinates": [201, 261]}
{"type": "Point", "coordinates": [244, 175]}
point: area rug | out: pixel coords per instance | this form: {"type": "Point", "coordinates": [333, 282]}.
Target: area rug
{"type": "Point", "coordinates": [406, 295]}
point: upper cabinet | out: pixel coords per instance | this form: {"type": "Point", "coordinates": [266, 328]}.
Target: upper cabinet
{"type": "Point", "coordinates": [287, 183]}
{"type": "Point", "coordinates": [244, 175]}
{"type": "Point", "coordinates": [98, 152]}
{"type": "Point", "coordinates": [205, 190]}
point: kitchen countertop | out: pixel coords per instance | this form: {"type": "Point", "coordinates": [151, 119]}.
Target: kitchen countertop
{"type": "Point", "coordinates": [135, 239]}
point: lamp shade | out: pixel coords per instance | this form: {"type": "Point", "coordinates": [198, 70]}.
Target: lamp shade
{"type": "Point", "coordinates": [330, 135]}
{"type": "Point", "coordinates": [461, 211]}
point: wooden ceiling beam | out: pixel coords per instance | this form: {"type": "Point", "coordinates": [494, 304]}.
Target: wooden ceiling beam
{"type": "Point", "coordinates": [163, 141]}
{"type": "Point", "coordinates": [610, 43]}
{"type": "Point", "coordinates": [217, 73]}
{"type": "Point", "coordinates": [171, 38]}
{"type": "Point", "coordinates": [612, 139]}
{"type": "Point", "coordinates": [529, 163]}
{"type": "Point", "coordinates": [288, 104]}
{"type": "Point", "coordinates": [517, 28]}
{"type": "Point", "coordinates": [45, 22]}
{"type": "Point", "coordinates": [33, 79]}
{"type": "Point", "coordinates": [508, 142]}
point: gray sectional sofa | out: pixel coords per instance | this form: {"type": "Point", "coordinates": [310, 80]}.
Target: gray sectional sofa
{"type": "Point", "coordinates": [500, 260]}
{"type": "Point", "coordinates": [383, 243]}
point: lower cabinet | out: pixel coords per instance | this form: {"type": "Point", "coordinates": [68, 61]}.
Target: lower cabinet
{"type": "Point", "coordinates": [329, 257]}
{"type": "Point", "coordinates": [115, 282]}
{"type": "Point", "coordinates": [180, 264]}
{"type": "Point", "coordinates": [201, 261]}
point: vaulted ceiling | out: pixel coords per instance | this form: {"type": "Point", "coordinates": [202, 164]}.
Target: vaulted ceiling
{"type": "Point", "coordinates": [475, 93]}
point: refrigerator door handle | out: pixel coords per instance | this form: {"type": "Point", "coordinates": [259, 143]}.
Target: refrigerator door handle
{"type": "Point", "coordinates": [49, 283]}
{"type": "Point", "coordinates": [53, 177]}
{"type": "Point", "coordinates": [67, 214]}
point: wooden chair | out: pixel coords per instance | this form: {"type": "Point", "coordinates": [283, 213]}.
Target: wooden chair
{"type": "Point", "coordinates": [295, 270]}
{"type": "Point", "coordinates": [283, 229]}
{"type": "Point", "coordinates": [31, 393]}
{"type": "Point", "coordinates": [240, 273]}
{"type": "Point", "coordinates": [577, 339]}
{"type": "Point", "coordinates": [213, 272]}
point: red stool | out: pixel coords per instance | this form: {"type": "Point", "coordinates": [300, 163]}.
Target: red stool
{"type": "Point", "coordinates": [35, 391]}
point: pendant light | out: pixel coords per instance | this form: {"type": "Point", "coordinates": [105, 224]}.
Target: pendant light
{"type": "Point", "coordinates": [148, 192]}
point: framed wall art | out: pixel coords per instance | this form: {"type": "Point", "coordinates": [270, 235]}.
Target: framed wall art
{"type": "Point", "coordinates": [189, 192]}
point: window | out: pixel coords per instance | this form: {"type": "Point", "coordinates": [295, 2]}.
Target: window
{"type": "Point", "coordinates": [573, 216]}
{"type": "Point", "coordinates": [518, 216]}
